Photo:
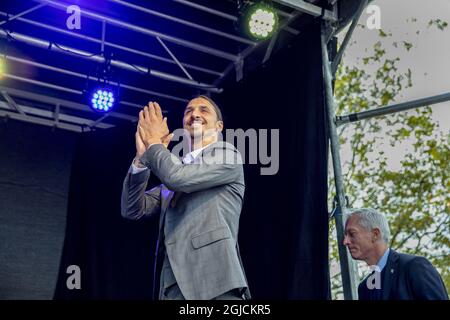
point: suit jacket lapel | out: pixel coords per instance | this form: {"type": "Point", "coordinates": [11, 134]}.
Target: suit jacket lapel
{"type": "Point", "coordinates": [166, 198]}
{"type": "Point", "coordinates": [390, 274]}
{"type": "Point", "coordinates": [168, 195]}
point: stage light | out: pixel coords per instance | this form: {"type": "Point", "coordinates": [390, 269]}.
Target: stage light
{"type": "Point", "coordinates": [102, 100]}
{"type": "Point", "coordinates": [258, 21]}
{"type": "Point", "coordinates": [261, 22]}
{"type": "Point", "coordinates": [102, 91]}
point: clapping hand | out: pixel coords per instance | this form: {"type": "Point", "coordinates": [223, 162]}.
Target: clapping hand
{"type": "Point", "coordinates": [152, 128]}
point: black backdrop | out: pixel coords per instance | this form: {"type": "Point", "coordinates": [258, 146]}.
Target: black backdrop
{"type": "Point", "coordinates": [284, 222]}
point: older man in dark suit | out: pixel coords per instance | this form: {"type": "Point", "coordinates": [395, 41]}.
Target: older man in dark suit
{"type": "Point", "coordinates": [396, 276]}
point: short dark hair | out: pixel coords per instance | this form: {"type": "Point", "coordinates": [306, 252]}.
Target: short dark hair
{"type": "Point", "coordinates": [216, 107]}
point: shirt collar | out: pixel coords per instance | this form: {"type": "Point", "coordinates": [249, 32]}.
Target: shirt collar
{"type": "Point", "coordinates": [383, 260]}
{"type": "Point", "coordinates": [191, 156]}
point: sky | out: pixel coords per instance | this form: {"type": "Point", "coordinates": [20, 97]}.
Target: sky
{"type": "Point", "coordinates": [428, 59]}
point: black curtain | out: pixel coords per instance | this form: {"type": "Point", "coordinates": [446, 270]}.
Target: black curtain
{"type": "Point", "coordinates": [284, 222]}
{"type": "Point", "coordinates": [35, 163]}
{"type": "Point", "coordinates": [115, 255]}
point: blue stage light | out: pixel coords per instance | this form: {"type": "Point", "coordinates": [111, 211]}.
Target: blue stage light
{"type": "Point", "coordinates": [102, 100]}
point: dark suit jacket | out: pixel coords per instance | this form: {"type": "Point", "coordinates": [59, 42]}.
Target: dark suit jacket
{"type": "Point", "coordinates": [407, 277]}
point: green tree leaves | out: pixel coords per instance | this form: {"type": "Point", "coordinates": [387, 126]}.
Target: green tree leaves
{"type": "Point", "coordinates": [398, 164]}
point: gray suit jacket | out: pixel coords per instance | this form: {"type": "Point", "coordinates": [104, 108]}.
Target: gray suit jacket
{"type": "Point", "coordinates": [201, 229]}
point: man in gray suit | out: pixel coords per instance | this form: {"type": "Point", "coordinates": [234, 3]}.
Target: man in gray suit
{"type": "Point", "coordinates": [199, 204]}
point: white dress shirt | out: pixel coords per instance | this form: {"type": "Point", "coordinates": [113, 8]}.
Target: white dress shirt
{"type": "Point", "coordinates": [190, 158]}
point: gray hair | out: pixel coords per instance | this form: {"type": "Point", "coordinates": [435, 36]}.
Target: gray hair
{"type": "Point", "coordinates": [371, 219]}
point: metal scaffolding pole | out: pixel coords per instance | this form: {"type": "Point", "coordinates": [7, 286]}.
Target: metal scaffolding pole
{"type": "Point", "coordinates": [232, 17]}
{"type": "Point", "coordinates": [191, 24]}
{"type": "Point", "coordinates": [100, 59]}
{"type": "Point", "coordinates": [83, 76]}
{"type": "Point", "coordinates": [348, 36]}
{"type": "Point", "coordinates": [310, 8]}
{"type": "Point", "coordinates": [349, 281]}
{"type": "Point", "coordinates": [353, 117]}
{"type": "Point", "coordinates": [135, 28]}
{"type": "Point", "coordinates": [8, 19]}
{"type": "Point", "coordinates": [112, 45]}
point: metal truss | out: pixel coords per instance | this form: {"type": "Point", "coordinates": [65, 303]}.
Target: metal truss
{"type": "Point", "coordinates": [164, 39]}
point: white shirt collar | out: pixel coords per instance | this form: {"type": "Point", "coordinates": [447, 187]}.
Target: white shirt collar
{"type": "Point", "coordinates": [191, 156]}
